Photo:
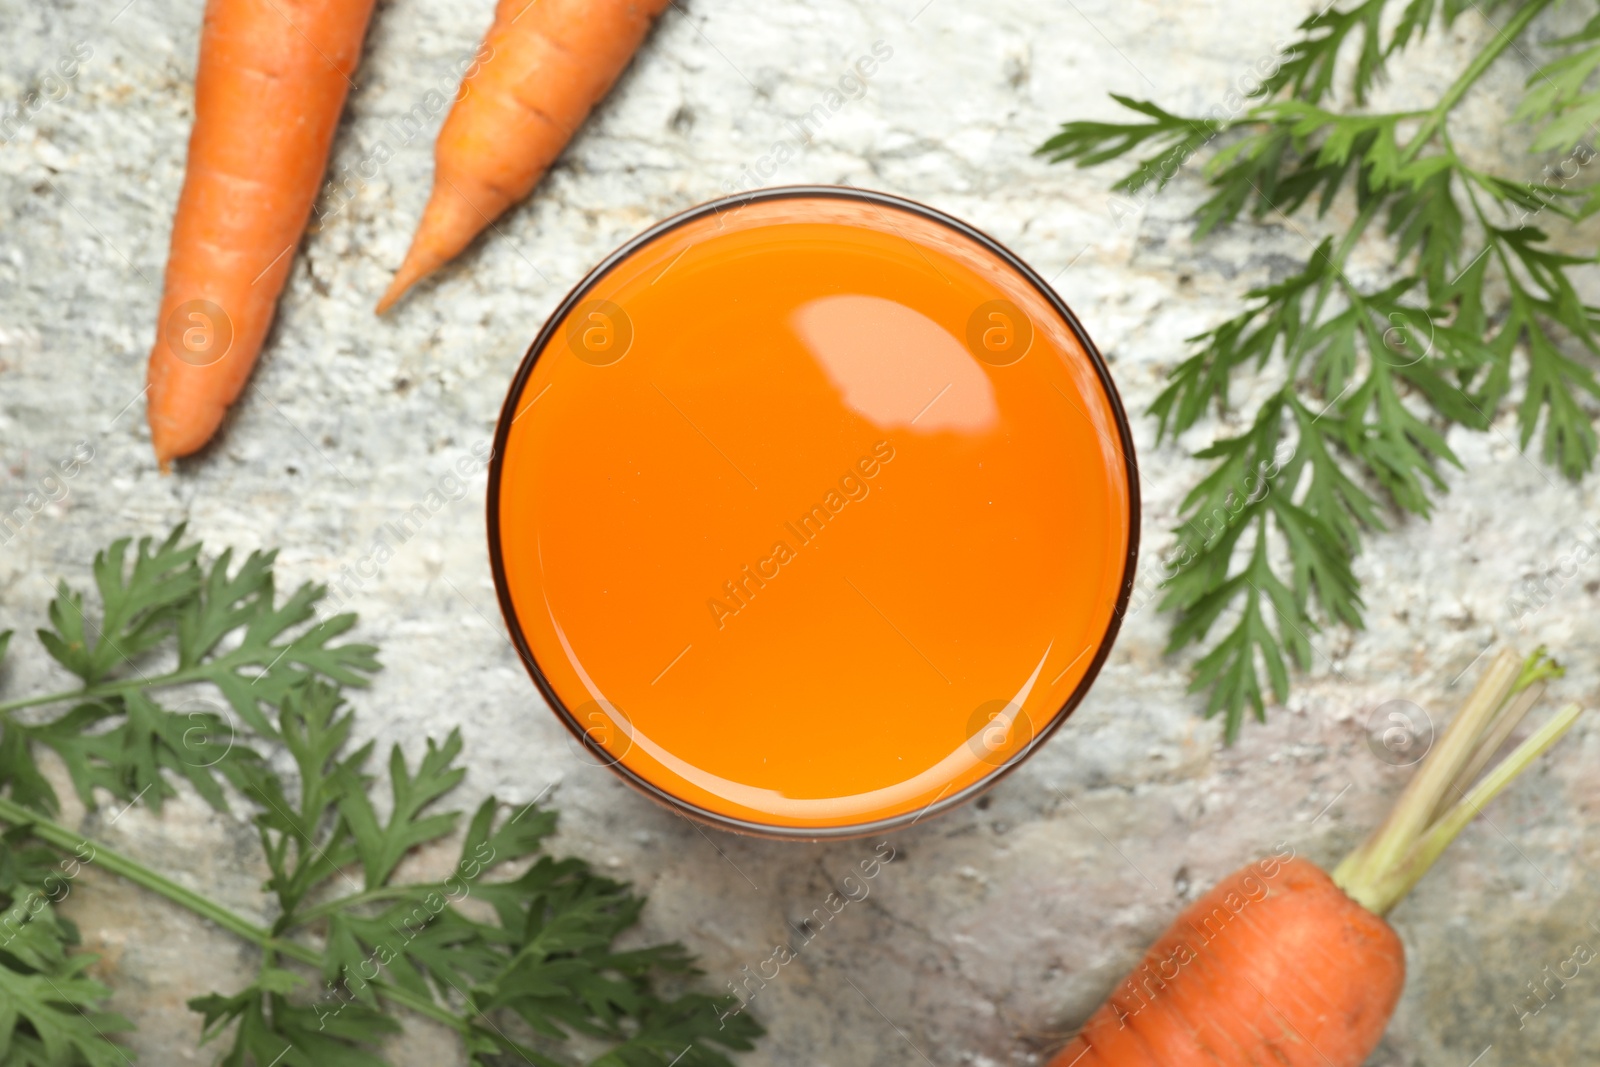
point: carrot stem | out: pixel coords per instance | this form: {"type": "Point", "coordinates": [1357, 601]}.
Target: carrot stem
{"type": "Point", "coordinates": [1396, 883]}
{"type": "Point", "coordinates": [1429, 815]}
{"type": "Point", "coordinates": [1526, 692]}
{"type": "Point", "coordinates": [1395, 835]}
{"type": "Point", "coordinates": [1494, 735]}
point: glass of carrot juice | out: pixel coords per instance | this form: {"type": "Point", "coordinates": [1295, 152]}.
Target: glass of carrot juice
{"type": "Point", "coordinates": [812, 512]}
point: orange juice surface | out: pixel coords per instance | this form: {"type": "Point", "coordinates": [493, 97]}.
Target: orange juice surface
{"type": "Point", "coordinates": [812, 513]}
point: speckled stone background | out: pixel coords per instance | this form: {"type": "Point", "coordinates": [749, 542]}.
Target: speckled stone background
{"type": "Point", "coordinates": [999, 926]}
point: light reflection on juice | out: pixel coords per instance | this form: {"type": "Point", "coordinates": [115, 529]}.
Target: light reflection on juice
{"type": "Point", "coordinates": [812, 513]}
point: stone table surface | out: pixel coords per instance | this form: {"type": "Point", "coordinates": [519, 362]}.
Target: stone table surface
{"type": "Point", "coordinates": [998, 926]}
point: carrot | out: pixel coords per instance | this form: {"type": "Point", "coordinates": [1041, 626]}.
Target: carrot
{"type": "Point", "coordinates": [1274, 965]}
{"type": "Point", "coordinates": [271, 83]}
{"type": "Point", "coordinates": [547, 63]}
{"type": "Point", "coordinates": [1281, 963]}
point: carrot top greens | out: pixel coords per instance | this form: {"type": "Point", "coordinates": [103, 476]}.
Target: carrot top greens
{"type": "Point", "coordinates": [1366, 379]}
{"type": "Point", "coordinates": [513, 950]}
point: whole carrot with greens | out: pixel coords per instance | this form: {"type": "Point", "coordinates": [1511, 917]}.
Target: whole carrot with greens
{"type": "Point", "coordinates": [269, 89]}
{"type": "Point", "coordinates": [547, 63]}
{"type": "Point", "coordinates": [1284, 964]}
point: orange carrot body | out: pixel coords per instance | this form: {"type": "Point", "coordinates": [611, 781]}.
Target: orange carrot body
{"type": "Point", "coordinates": [543, 66]}
{"type": "Point", "coordinates": [1275, 965]}
{"type": "Point", "coordinates": [270, 86]}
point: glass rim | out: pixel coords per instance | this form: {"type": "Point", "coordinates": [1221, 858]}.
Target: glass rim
{"type": "Point", "coordinates": [508, 413]}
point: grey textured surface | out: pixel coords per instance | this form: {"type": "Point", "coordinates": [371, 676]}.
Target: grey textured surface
{"type": "Point", "coordinates": [998, 926]}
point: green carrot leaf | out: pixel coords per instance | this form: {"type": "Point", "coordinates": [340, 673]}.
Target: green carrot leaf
{"type": "Point", "coordinates": [1090, 143]}
{"type": "Point", "coordinates": [382, 845]}
{"type": "Point", "coordinates": [1311, 62]}
{"type": "Point", "coordinates": [1557, 96]}
{"type": "Point", "coordinates": [306, 839]}
{"type": "Point", "coordinates": [143, 748]}
{"type": "Point", "coordinates": [139, 601]}
{"type": "Point", "coordinates": [51, 1013]}
{"type": "Point", "coordinates": [272, 1029]}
